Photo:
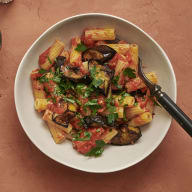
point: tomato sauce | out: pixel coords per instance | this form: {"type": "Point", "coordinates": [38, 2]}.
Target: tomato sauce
{"type": "Point", "coordinates": [43, 56]}
{"type": "Point", "coordinates": [85, 146]}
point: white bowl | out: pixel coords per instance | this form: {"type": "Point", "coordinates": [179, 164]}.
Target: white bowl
{"type": "Point", "coordinates": [114, 158]}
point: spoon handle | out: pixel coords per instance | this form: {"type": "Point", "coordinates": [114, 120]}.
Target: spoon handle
{"type": "Point", "coordinates": [174, 111]}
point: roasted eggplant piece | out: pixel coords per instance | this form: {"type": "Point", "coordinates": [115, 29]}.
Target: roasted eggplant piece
{"type": "Point", "coordinates": [59, 62]}
{"type": "Point", "coordinates": [63, 119]}
{"type": "Point", "coordinates": [75, 73]}
{"type": "Point", "coordinates": [102, 75]}
{"type": "Point", "coordinates": [101, 53]}
{"type": "Point", "coordinates": [126, 135]}
{"type": "Point", "coordinates": [95, 121]}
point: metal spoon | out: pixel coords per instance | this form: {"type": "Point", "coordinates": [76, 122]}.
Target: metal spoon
{"type": "Point", "coordinates": [166, 102]}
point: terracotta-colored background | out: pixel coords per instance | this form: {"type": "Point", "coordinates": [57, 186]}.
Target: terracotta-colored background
{"type": "Point", "coordinates": [24, 168]}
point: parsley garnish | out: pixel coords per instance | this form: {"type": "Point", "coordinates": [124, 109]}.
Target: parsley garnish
{"type": "Point", "coordinates": [69, 99]}
{"type": "Point", "coordinates": [49, 60]}
{"type": "Point", "coordinates": [42, 71]}
{"type": "Point", "coordinates": [87, 137]}
{"type": "Point", "coordinates": [56, 79]}
{"type": "Point", "coordinates": [97, 82]}
{"type": "Point", "coordinates": [129, 72]}
{"type": "Point", "coordinates": [98, 150]}
{"type": "Point", "coordinates": [115, 81]}
{"type": "Point", "coordinates": [43, 79]}
{"type": "Point", "coordinates": [80, 47]}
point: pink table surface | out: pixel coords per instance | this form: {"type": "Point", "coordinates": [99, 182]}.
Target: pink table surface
{"type": "Point", "coordinates": [24, 168]}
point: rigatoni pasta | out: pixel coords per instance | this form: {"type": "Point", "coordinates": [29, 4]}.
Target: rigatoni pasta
{"type": "Point", "coordinates": [91, 94]}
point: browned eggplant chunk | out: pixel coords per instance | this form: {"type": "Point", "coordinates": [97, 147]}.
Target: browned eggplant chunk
{"type": "Point", "coordinates": [101, 53]}
{"type": "Point", "coordinates": [63, 119]}
{"type": "Point", "coordinates": [95, 121]}
{"type": "Point", "coordinates": [103, 74]}
{"type": "Point", "coordinates": [59, 62]}
{"type": "Point", "coordinates": [126, 135]}
{"type": "Point", "coordinates": [74, 73]}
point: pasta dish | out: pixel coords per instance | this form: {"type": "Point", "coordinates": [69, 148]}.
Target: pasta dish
{"type": "Point", "coordinates": [91, 94]}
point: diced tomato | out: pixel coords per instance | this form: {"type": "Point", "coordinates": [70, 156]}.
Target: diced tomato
{"type": "Point", "coordinates": [85, 146]}
{"type": "Point", "coordinates": [88, 41]}
{"type": "Point", "coordinates": [142, 101]}
{"type": "Point", "coordinates": [128, 57]}
{"type": "Point", "coordinates": [50, 86]}
{"type": "Point", "coordinates": [43, 56]}
{"type": "Point", "coordinates": [76, 123]}
{"type": "Point", "coordinates": [113, 61]}
{"type": "Point", "coordinates": [56, 109]}
{"type": "Point", "coordinates": [37, 85]}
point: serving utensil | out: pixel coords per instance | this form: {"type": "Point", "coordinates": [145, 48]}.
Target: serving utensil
{"type": "Point", "coordinates": [166, 102]}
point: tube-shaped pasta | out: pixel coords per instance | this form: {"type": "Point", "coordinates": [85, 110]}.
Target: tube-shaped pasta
{"type": "Point", "coordinates": [134, 57]}
{"type": "Point", "coordinates": [65, 54]}
{"type": "Point", "coordinates": [100, 34]}
{"type": "Point", "coordinates": [141, 119]}
{"type": "Point", "coordinates": [120, 48]}
{"type": "Point", "coordinates": [131, 112]}
{"type": "Point", "coordinates": [110, 134]}
{"type": "Point", "coordinates": [120, 112]}
{"type": "Point", "coordinates": [121, 101]}
{"type": "Point", "coordinates": [57, 134]}
{"type": "Point", "coordinates": [48, 118]}
{"type": "Point", "coordinates": [75, 56]}
{"type": "Point", "coordinates": [47, 60]}
{"type": "Point", "coordinates": [41, 104]}
{"type": "Point", "coordinates": [38, 91]}
{"type": "Point", "coordinates": [137, 83]}
{"type": "Point", "coordinates": [122, 63]}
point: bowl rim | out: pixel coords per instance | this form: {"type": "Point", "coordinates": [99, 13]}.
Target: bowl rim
{"type": "Point", "coordinates": [145, 155]}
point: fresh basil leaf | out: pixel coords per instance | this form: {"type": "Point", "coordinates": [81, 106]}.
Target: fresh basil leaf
{"type": "Point", "coordinates": [80, 47]}
{"type": "Point", "coordinates": [115, 81]}
{"type": "Point", "coordinates": [129, 72]}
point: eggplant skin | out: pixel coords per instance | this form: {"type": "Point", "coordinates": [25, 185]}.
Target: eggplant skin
{"type": "Point", "coordinates": [126, 135]}
{"type": "Point", "coordinates": [63, 119]}
{"type": "Point", "coordinates": [95, 121]}
{"type": "Point", "coordinates": [74, 73]}
{"type": "Point", "coordinates": [104, 73]}
{"type": "Point", "coordinates": [60, 61]}
{"type": "Point", "coordinates": [101, 53]}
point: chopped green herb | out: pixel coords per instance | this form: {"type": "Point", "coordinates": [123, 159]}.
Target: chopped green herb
{"type": "Point", "coordinates": [69, 99]}
{"type": "Point", "coordinates": [43, 79]}
{"type": "Point", "coordinates": [97, 82]}
{"type": "Point", "coordinates": [98, 150]}
{"type": "Point", "coordinates": [46, 90]}
{"type": "Point", "coordinates": [129, 72]}
{"type": "Point", "coordinates": [80, 47]}
{"type": "Point", "coordinates": [53, 99]}
{"type": "Point", "coordinates": [98, 130]}
{"type": "Point", "coordinates": [56, 79]}
{"type": "Point", "coordinates": [135, 104]}
{"type": "Point", "coordinates": [91, 102]}
{"type": "Point", "coordinates": [93, 71]}
{"type": "Point", "coordinates": [42, 71]}
{"type": "Point", "coordinates": [112, 117]}
{"type": "Point", "coordinates": [115, 81]}
{"type": "Point", "coordinates": [49, 60]}
{"type": "Point", "coordinates": [87, 137]}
